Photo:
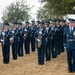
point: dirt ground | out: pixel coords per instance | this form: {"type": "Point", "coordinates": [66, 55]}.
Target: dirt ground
{"type": "Point", "coordinates": [28, 65]}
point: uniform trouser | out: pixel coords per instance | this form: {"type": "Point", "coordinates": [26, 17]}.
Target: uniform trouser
{"type": "Point", "coordinates": [71, 59]}
{"type": "Point", "coordinates": [6, 53]}
{"type": "Point", "coordinates": [41, 55]}
{"type": "Point", "coordinates": [62, 46]}
{"type": "Point", "coordinates": [33, 44]}
{"type": "Point", "coordinates": [54, 48]}
{"type": "Point", "coordinates": [48, 52]}
{"type": "Point", "coordinates": [59, 46]}
{"type": "Point", "coordinates": [27, 46]}
{"type": "Point", "coordinates": [14, 50]}
{"type": "Point", "coordinates": [20, 49]}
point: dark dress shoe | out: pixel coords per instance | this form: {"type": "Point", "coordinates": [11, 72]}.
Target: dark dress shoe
{"type": "Point", "coordinates": [70, 71]}
{"type": "Point", "coordinates": [6, 62]}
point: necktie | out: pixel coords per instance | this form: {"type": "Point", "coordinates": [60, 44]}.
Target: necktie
{"type": "Point", "coordinates": [71, 30]}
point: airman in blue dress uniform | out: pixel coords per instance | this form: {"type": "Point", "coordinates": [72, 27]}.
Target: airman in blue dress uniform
{"type": "Point", "coordinates": [70, 45]}
{"type": "Point", "coordinates": [27, 32]}
{"type": "Point", "coordinates": [37, 29]}
{"type": "Point", "coordinates": [63, 26]}
{"type": "Point", "coordinates": [41, 44]}
{"type": "Point", "coordinates": [5, 41]}
{"type": "Point", "coordinates": [48, 41]}
{"type": "Point", "coordinates": [33, 30]}
{"type": "Point", "coordinates": [59, 36]}
{"type": "Point", "coordinates": [20, 40]}
{"type": "Point", "coordinates": [54, 39]}
{"type": "Point", "coordinates": [14, 40]}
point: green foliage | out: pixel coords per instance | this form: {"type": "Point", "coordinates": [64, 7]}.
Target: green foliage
{"type": "Point", "coordinates": [42, 14]}
{"type": "Point", "coordinates": [17, 11]}
{"type": "Point", "coordinates": [59, 8]}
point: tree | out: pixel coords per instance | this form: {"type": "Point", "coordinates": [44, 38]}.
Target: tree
{"type": "Point", "coordinates": [42, 14]}
{"type": "Point", "coordinates": [17, 11]}
{"type": "Point", "coordinates": [59, 8]}
{"type": "Point", "coordinates": [46, 13]}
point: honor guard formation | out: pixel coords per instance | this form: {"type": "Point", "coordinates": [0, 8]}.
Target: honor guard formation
{"type": "Point", "coordinates": [49, 38]}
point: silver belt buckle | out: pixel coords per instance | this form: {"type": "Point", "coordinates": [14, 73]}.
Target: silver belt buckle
{"type": "Point", "coordinates": [70, 40]}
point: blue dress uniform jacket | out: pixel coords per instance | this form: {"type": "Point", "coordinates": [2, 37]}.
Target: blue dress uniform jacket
{"type": "Point", "coordinates": [36, 33]}
{"type": "Point", "coordinates": [55, 33]}
{"type": "Point", "coordinates": [6, 46]}
{"type": "Point", "coordinates": [70, 48]}
{"type": "Point", "coordinates": [64, 40]}
{"type": "Point", "coordinates": [70, 43]}
{"type": "Point", "coordinates": [7, 36]}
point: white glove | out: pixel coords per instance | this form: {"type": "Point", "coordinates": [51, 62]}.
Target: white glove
{"type": "Point", "coordinates": [2, 40]}
{"type": "Point", "coordinates": [65, 48]}
{"type": "Point", "coordinates": [11, 38]}
{"type": "Point", "coordinates": [38, 40]}
{"type": "Point", "coordinates": [26, 30]}
{"type": "Point", "coordinates": [40, 32]}
{"type": "Point", "coordinates": [52, 28]}
{"type": "Point", "coordinates": [13, 32]}
{"type": "Point", "coordinates": [24, 34]}
{"type": "Point", "coordinates": [3, 33]}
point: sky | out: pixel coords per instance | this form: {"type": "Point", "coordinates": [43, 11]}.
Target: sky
{"type": "Point", "coordinates": [35, 3]}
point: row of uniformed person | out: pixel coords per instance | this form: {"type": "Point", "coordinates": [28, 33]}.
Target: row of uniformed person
{"type": "Point", "coordinates": [50, 40]}
{"type": "Point", "coordinates": [16, 37]}
{"type": "Point", "coordinates": [57, 36]}
{"type": "Point", "coordinates": [47, 39]}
